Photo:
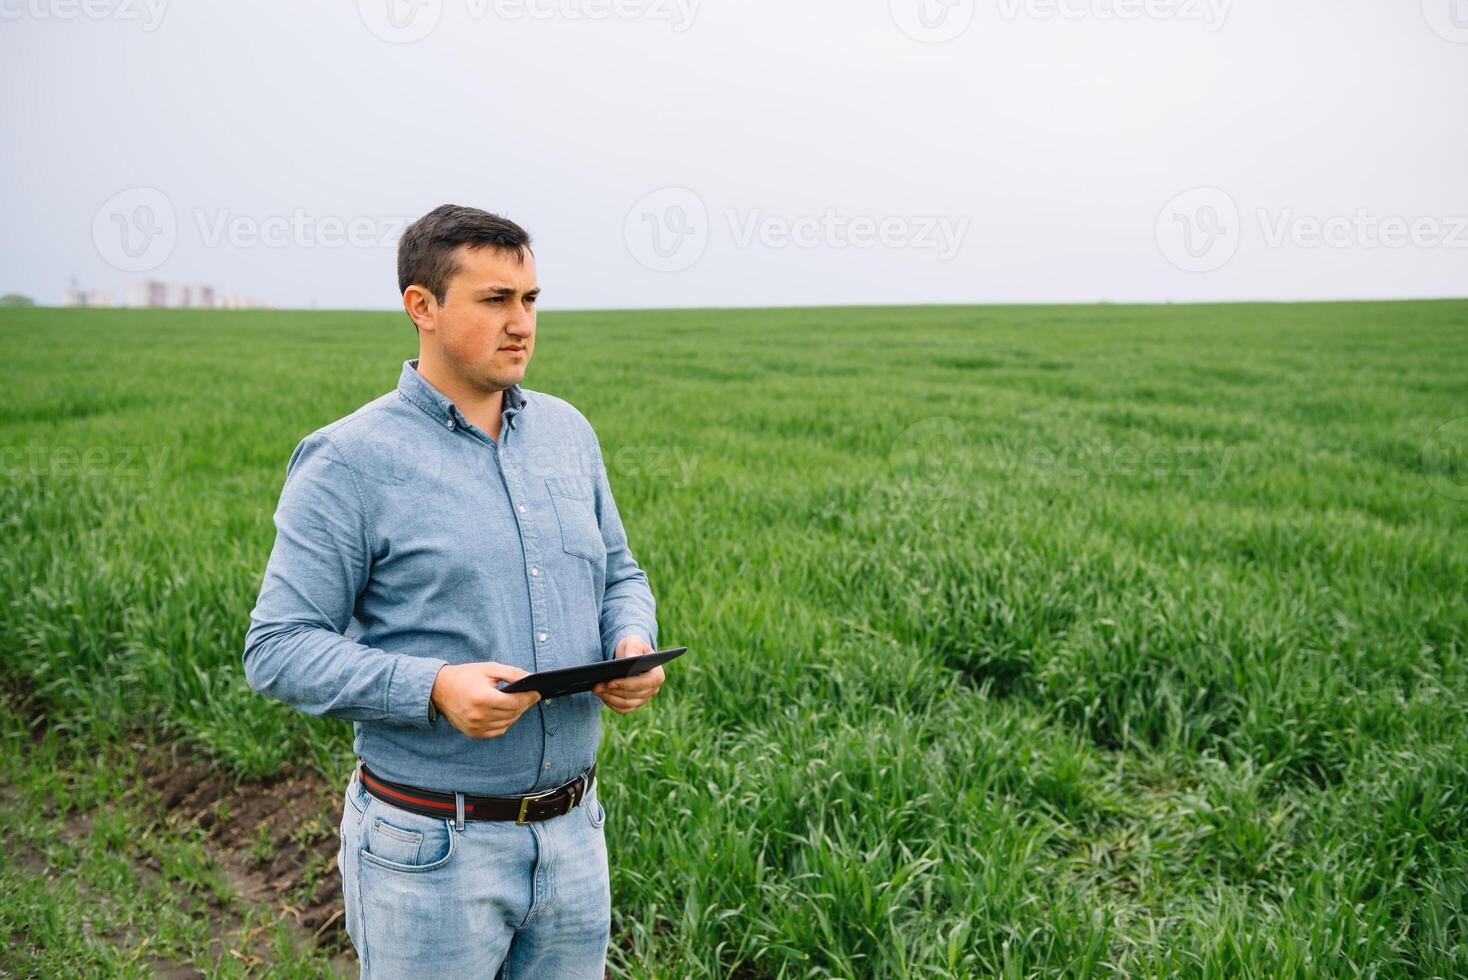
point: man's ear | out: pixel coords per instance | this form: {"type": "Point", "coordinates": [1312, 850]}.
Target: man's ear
{"type": "Point", "coordinates": [421, 307]}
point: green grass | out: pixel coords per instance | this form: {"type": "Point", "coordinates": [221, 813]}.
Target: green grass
{"type": "Point", "coordinates": [93, 885]}
{"type": "Point", "coordinates": [1030, 641]}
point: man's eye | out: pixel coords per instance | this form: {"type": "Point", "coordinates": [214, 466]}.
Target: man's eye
{"type": "Point", "coordinates": [495, 299]}
{"type": "Point", "coordinates": [531, 299]}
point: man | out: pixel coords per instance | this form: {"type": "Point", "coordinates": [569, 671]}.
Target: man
{"type": "Point", "coordinates": [446, 538]}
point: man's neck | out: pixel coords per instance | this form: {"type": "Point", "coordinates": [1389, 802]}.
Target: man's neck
{"type": "Point", "coordinates": [483, 408]}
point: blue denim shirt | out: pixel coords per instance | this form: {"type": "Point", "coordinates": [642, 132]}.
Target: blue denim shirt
{"type": "Point", "coordinates": [406, 539]}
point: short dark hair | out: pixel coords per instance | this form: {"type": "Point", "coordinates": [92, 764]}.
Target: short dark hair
{"type": "Point", "coordinates": [426, 250]}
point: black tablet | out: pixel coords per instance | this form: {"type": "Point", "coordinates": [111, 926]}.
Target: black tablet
{"type": "Point", "coordinates": [573, 680]}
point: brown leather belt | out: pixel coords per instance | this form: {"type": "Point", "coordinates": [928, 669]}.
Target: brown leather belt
{"type": "Point", "coordinates": [521, 809]}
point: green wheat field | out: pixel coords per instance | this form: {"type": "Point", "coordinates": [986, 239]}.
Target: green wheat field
{"type": "Point", "coordinates": [1024, 641]}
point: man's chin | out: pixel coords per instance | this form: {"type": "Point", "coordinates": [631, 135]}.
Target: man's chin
{"type": "Point", "coordinates": [499, 379]}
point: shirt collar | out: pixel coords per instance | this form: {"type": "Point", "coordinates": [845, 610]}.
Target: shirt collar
{"type": "Point", "coordinates": [438, 406]}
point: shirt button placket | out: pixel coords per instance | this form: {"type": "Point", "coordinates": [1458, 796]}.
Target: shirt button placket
{"type": "Point", "coordinates": [537, 587]}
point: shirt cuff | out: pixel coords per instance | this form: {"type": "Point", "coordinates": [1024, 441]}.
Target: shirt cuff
{"type": "Point", "coordinates": [410, 694]}
{"type": "Point", "coordinates": [648, 633]}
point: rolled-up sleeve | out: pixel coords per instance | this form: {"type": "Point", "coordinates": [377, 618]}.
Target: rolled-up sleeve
{"type": "Point", "coordinates": [628, 607]}
{"type": "Point", "coordinates": [295, 649]}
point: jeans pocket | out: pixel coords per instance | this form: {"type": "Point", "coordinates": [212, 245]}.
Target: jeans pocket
{"type": "Point", "coordinates": [398, 840]}
{"type": "Point", "coordinates": [596, 814]}
{"type": "Point", "coordinates": [356, 799]}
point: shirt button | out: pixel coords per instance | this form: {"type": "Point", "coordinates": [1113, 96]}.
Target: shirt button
{"type": "Point", "coordinates": [542, 637]}
{"type": "Point", "coordinates": [449, 423]}
{"type": "Point", "coordinates": [522, 508]}
{"type": "Point", "coordinates": [547, 765]}
{"type": "Point", "coordinates": [534, 571]}
{"type": "Point", "coordinates": [550, 700]}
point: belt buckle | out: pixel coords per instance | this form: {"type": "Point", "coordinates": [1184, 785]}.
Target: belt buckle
{"type": "Point", "coordinates": [525, 801]}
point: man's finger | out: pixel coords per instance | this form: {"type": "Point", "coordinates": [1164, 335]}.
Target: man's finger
{"type": "Point", "coordinates": [639, 682]}
{"type": "Point", "coordinates": [632, 647]}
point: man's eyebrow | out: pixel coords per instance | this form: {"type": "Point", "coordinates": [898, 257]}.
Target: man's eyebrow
{"type": "Point", "coordinates": [504, 290]}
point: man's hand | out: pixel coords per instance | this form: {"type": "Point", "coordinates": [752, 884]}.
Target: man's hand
{"type": "Point", "coordinates": [626, 693]}
{"type": "Point", "coordinates": [466, 695]}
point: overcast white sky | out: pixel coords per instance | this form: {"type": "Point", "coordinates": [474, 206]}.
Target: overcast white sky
{"type": "Point", "coordinates": [744, 152]}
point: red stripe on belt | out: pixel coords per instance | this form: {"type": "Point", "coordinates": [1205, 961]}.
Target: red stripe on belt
{"type": "Point", "coordinates": [468, 807]}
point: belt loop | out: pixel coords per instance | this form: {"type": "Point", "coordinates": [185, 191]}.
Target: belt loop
{"type": "Point", "coordinates": [458, 811]}
{"type": "Point", "coordinates": [357, 771]}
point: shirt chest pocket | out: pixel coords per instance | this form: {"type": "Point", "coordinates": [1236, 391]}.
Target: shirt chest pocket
{"type": "Point", "coordinates": [576, 514]}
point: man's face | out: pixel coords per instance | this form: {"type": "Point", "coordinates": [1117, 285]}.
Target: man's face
{"type": "Point", "coordinates": [485, 326]}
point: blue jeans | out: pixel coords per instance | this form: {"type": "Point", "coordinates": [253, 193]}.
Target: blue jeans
{"type": "Point", "coordinates": [426, 898]}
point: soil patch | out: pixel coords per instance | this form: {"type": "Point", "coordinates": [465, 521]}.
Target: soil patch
{"type": "Point", "coordinates": [275, 839]}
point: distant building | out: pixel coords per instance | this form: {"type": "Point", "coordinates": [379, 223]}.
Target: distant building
{"type": "Point", "coordinates": [72, 296]}
{"type": "Point", "coordinates": [147, 292]}
{"type": "Point", "coordinates": [156, 294]}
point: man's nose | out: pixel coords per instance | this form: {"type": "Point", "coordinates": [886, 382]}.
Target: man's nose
{"type": "Point", "coordinates": [521, 322]}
